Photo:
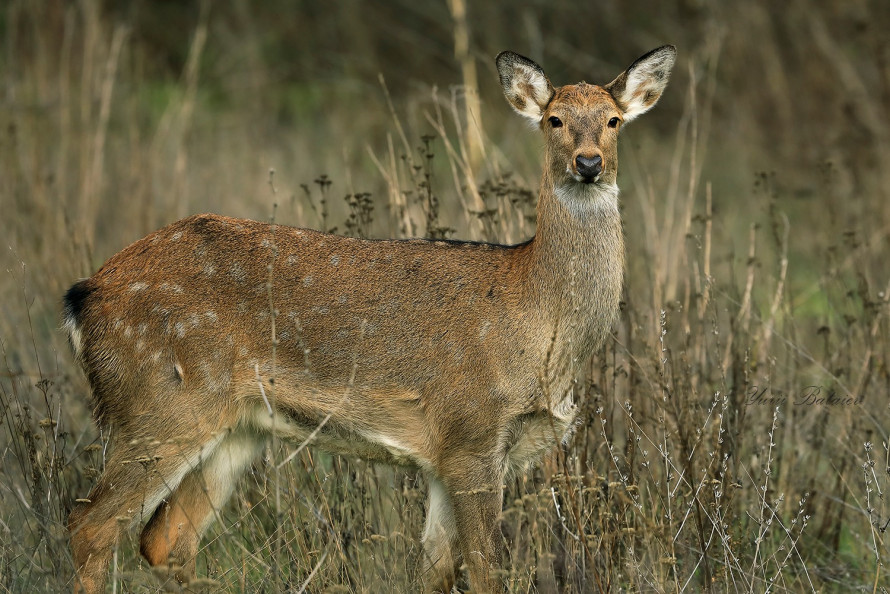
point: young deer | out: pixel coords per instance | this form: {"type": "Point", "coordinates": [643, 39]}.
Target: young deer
{"type": "Point", "coordinates": [456, 358]}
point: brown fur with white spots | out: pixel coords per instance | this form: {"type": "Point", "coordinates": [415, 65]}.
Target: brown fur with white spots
{"type": "Point", "coordinates": [455, 358]}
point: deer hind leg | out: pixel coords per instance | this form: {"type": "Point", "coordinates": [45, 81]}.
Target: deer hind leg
{"type": "Point", "coordinates": [441, 555]}
{"type": "Point", "coordinates": [172, 535]}
{"type": "Point", "coordinates": [135, 481]}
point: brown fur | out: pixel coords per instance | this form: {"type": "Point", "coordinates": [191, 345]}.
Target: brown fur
{"type": "Point", "coordinates": [456, 358]}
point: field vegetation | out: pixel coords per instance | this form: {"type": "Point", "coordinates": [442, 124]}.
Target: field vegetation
{"type": "Point", "coordinates": [736, 425]}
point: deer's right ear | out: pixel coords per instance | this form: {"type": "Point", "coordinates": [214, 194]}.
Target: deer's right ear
{"type": "Point", "coordinates": [525, 85]}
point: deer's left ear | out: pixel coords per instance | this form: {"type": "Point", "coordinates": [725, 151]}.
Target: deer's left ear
{"type": "Point", "coordinates": [639, 87]}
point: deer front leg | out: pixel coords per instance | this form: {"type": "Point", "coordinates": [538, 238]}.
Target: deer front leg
{"type": "Point", "coordinates": [477, 499]}
{"type": "Point", "coordinates": [441, 554]}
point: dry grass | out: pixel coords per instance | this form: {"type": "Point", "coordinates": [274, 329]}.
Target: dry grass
{"type": "Point", "coordinates": [700, 464]}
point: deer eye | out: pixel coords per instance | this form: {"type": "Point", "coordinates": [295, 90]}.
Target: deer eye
{"type": "Point", "coordinates": [555, 121]}
{"type": "Point", "coordinates": [613, 123]}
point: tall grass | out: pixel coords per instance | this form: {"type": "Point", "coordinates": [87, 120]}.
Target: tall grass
{"type": "Point", "coordinates": [734, 431]}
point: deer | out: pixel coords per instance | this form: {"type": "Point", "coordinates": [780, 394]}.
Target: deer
{"type": "Point", "coordinates": [456, 358]}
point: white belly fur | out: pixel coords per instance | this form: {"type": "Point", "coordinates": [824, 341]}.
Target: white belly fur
{"type": "Point", "coordinates": [334, 439]}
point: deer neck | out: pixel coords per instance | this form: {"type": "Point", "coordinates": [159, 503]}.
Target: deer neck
{"type": "Point", "coordinates": [577, 264]}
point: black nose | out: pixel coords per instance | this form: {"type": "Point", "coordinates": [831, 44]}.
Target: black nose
{"type": "Point", "coordinates": [589, 167]}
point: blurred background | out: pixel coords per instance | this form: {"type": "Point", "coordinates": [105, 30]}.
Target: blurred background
{"type": "Point", "coordinates": [755, 195]}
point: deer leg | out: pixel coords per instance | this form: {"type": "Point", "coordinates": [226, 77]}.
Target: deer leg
{"type": "Point", "coordinates": [95, 527]}
{"type": "Point", "coordinates": [441, 555]}
{"type": "Point", "coordinates": [133, 485]}
{"type": "Point", "coordinates": [477, 500]}
{"type": "Point", "coordinates": [174, 532]}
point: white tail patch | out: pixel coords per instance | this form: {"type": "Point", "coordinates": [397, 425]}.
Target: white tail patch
{"type": "Point", "coordinates": [75, 336]}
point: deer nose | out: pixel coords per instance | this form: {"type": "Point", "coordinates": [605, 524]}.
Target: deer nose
{"type": "Point", "coordinates": [589, 167]}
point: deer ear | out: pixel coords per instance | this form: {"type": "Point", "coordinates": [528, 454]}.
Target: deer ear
{"type": "Point", "coordinates": [525, 85]}
{"type": "Point", "coordinates": [638, 88]}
